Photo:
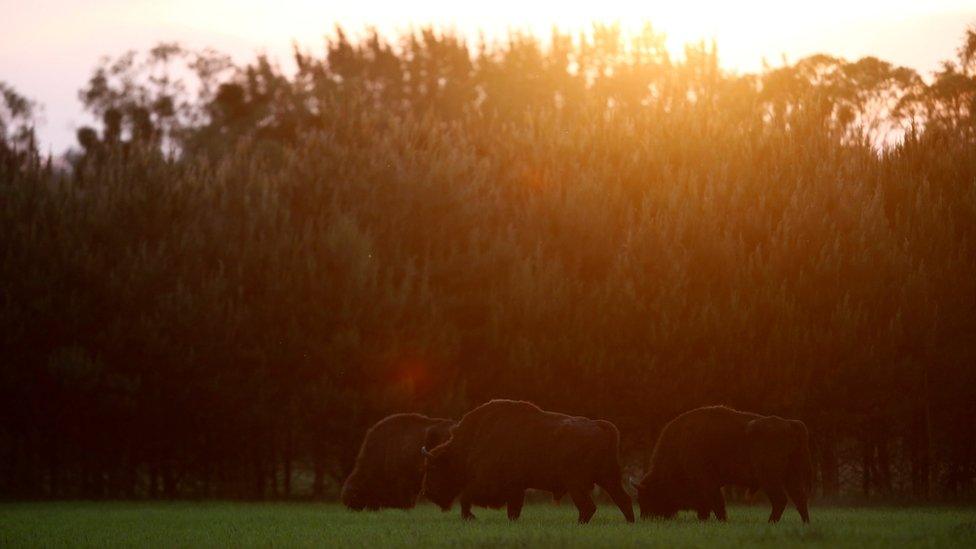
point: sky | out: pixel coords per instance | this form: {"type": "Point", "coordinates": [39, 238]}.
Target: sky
{"type": "Point", "coordinates": [48, 48]}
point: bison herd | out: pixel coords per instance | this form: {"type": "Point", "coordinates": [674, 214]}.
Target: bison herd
{"type": "Point", "coordinates": [504, 447]}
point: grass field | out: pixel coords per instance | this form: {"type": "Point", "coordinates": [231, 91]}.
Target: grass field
{"type": "Point", "coordinates": [243, 524]}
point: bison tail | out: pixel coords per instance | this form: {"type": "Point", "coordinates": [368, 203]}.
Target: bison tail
{"type": "Point", "coordinates": [611, 448]}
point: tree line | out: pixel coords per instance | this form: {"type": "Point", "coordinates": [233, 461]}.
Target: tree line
{"type": "Point", "coordinates": [240, 268]}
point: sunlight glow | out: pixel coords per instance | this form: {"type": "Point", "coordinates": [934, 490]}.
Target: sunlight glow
{"type": "Point", "coordinates": [50, 46]}
{"type": "Point", "coordinates": [746, 31]}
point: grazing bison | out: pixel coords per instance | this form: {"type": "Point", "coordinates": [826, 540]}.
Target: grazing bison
{"type": "Point", "coordinates": [703, 450]}
{"type": "Point", "coordinates": [390, 467]}
{"type": "Point", "coordinates": [504, 447]}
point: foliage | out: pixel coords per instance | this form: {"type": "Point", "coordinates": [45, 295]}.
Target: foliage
{"type": "Point", "coordinates": [16, 115]}
{"type": "Point", "coordinates": [593, 226]}
{"type": "Point", "coordinates": [152, 97]}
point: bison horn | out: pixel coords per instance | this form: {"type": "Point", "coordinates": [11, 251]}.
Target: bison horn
{"type": "Point", "coordinates": [426, 453]}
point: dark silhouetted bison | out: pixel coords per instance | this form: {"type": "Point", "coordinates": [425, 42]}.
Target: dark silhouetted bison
{"type": "Point", "coordinates": [703, 450]}
{"type": "Point", "coordinates": [390, 466]}
{"type": "Point", "coordinates": [504, 447]}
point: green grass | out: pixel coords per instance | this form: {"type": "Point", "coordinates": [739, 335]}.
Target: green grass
{"type": "Point", "coordinates": [243, 524]}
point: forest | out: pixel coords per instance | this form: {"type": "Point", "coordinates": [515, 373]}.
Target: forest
{"type": "Point", "coordinates": [239, 268]}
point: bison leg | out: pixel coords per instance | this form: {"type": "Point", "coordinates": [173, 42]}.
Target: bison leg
{"type": "Point", "coordinates": [557, 496]}
{"type": "Point", "coordinates": [515, 502]}
{"type": "Point", "coordinates": [717, 502]}
{"type": "Point", "coordinates": [711, 501]}
{"type": "Point", "coordinates": [799, 497]}
{"type": "Point", "coordinates": [620, 498]}
{"type": "Point", "coordinates": [584, 503]}
{"type": "Point", "coordinates": [466, 513]}
{"type": "Point", "coordinates": [777, 497]}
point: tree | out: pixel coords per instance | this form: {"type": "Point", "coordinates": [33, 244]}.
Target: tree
{"type": "Point", "coordinates": [152, 98]}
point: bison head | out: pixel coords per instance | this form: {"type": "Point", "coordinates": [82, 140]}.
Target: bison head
{"type": "Point", "coordinates": [655, 499]}
{"type": "Point", "coordinates": [442, 476]}
{"type": "Point", "coordinates": [437, 434]}
{"type": "Point", "coordinates": [351, 498]}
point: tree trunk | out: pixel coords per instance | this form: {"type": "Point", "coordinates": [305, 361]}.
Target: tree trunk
{"type": "Point", "coordinates": [318, 484]}
{"type": "Point", "coordinates": [287, 457]}
{"type": "Point", "coordinates": [54, 473]}
{"type": "Point", "coordinates": [867, 466]}
{"type": "Point", "coordinates": [883, 477]}
{"type": "Point", "coordinates": [259, 478]}
{"type": "Point", "coordinates": [829, 468]}
{"type": "Point", "coordinates": [922, 444]}
{"type": "Point", "coordinates": [169, 481]}
{"type": "Point", "coordinates": [273, 472]}
{"type": "Point", "coordinates": [153, 481]}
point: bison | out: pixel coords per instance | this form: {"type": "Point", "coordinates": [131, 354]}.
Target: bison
{"type": "Point", "coordinates": [389, 468]}
{"type": "Point", "coordinates": [705, 449]}
{"type": "Point", "coordinates": [504, 447]}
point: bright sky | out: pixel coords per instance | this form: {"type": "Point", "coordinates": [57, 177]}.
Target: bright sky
{"type": "Point", "coordinates": [48, 47]}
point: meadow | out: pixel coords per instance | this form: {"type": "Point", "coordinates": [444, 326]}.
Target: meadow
{"type": "Point", "coordinates": [180, 524]}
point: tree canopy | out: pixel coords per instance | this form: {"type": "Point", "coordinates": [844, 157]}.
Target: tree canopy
{"type": "Point", "coordinates": [244, 268]}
